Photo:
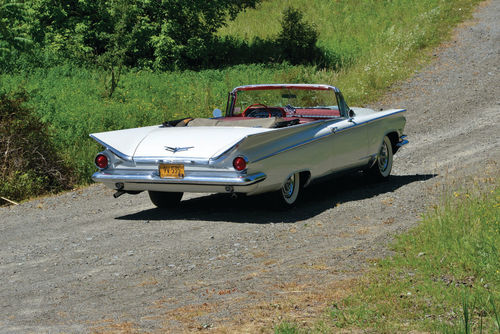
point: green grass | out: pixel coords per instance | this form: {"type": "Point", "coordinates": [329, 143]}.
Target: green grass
{"type": "Point", "coordinates": [382, 41]}
{"type": "Point", "coordinates": [359, 22]}
{"type": "Point", "coordinates": [444, 276]}
{"type": "Point", "coordinates": [286, 328]}
{"type": "Point", "coordinates": [451, 260]}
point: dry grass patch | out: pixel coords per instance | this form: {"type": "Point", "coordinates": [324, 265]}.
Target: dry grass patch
{"type": "Point", "coordinates": [303, 304]}
{"type": "Point", "coordinates": [149, 281]}
{"type": "Point", "coordinates": [109, 326]}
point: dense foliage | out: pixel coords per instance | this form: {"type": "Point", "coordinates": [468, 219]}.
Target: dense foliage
{"type": "Point", "coordinates": [161, 34]}
{"type": "Point", "coordinates": [30, 163]}
{"type": "Point", "coordinates": [158, 34]}
{"type": "Point", "coordinates": [13, 32]}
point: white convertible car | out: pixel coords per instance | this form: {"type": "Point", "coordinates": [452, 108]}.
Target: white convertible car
{"type": "Point", "coordinates": [275, 138]}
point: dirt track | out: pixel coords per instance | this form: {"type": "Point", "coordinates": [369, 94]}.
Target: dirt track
{"type": "Point", "coordinates": [83, 260]}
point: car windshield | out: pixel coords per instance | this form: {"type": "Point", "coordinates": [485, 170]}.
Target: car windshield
{"type": "Point", "coordinates": [296, 98]}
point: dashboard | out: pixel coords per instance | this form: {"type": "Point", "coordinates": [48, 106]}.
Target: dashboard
{"type": "Point", "coordinates": [264, 112]}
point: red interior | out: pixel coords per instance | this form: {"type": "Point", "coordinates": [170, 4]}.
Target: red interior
{"type": "Point", "coordinates": [304, 115]}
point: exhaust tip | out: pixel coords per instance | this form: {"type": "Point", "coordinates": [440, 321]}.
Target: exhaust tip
{"type": "Point", "coordinates": [118, 193]}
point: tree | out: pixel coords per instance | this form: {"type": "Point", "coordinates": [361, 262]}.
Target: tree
{"type": "Point", "coordinates": [120, 41]}
{"type": "Point", "coordinates": [187, 28]}
{"type": "Point", "coordinates": [13, 35]}
{"type": "Point", "coordinates": [70, 29]}
{"type": "Point", "coordinates": [166, 33]}
{"type": "Point", "coordinates": [297, 38]}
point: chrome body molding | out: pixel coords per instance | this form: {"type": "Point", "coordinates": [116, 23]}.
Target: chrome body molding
{"type": "Point", "coordinates": [291, 147]}
{"type": "Point", "coordinates": [351, 120]}
{"type": "Point", "coordinates": [278, 86]}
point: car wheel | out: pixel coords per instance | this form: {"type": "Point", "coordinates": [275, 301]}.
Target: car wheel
{"type": "Point", "coordinates": [289, 192]}
{"type": "Point", "coordinates": [382, 167]}
{"type": "Point", "coordinates": [165, 199]}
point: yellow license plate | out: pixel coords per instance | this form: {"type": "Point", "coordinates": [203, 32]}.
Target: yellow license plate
{"type": "Point", "coordinates": [171, 171]}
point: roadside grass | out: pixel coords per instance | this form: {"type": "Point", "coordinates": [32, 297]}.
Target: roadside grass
{"type": "Point", "coordinates": [380, 42]}
{"type": "Point", "coordinates": [351, 21]}
{"type": "Point", "coordinates": [444, 275]}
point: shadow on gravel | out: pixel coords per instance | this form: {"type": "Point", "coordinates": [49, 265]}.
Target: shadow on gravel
{"type": "Point", "coordinates": [258, 210]}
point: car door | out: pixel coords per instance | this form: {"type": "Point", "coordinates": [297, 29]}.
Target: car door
{"type": "Point", "coordinates": [347, 144]}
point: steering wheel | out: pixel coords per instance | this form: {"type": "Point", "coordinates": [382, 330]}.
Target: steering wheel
{"type": "Point", "coordinates": [244, 113]}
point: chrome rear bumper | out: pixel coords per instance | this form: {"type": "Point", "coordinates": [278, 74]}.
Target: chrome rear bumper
{"type": "Point", "coordinates": [151, 181]}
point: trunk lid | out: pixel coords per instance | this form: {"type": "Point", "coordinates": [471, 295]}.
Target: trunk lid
{"type": "Point", "coordinates": [173, 143]}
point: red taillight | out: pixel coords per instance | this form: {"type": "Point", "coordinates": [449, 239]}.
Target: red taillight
{"type": "Point", "coordinates": [239, 163]}
{"type": "Point", "coordinates": [101, 161]}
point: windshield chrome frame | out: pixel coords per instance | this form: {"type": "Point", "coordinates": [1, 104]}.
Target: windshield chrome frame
{"type": "Point", "coordinates": [343, 107]}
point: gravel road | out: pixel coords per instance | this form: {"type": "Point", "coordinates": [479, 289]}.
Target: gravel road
{"type": "Point", "coordinates": [83, 261]}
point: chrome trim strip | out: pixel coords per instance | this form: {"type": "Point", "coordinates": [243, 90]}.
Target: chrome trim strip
{"type": "Point", "coordinates": [371, 120]}
{"type": "Point", "coordinates": [323, 136]}
{"type": "Point", "coordinates": [113, 150]}
{"type": "Point", "coordinates": [294, 146]}
{"type": "Point", "coordinates": [314, 116]}
{"type": "Point", "coordinates": [225, 154]}
{"type": "Point", "coordinates": [153, 178]}
{"type": "Point", "coordinates": [160, 159]}
{"type": "Point", "coordinates": [284, 86]}
{"type": "Point", "coordinates": [214, 160]}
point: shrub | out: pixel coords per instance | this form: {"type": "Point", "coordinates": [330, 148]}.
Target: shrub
{"type": "Point", "coordinates": [297, 38]}
{"type": "Point", "coordinates": [30, 165]}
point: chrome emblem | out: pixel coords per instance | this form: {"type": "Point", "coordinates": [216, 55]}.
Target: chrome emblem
{"type": "Point", "coordinates": [178, 149]}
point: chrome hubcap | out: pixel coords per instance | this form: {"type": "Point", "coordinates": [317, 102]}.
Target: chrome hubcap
{"type": "Point", "coordinates": [288, 187]}
{"type": "Point", "coordinates": [383, 160]}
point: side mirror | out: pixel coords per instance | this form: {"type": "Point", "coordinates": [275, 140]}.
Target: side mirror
{"type": "Point", "coordinates": [351, 114]}
{"type": "Point", "coordinates": [217, 113]}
